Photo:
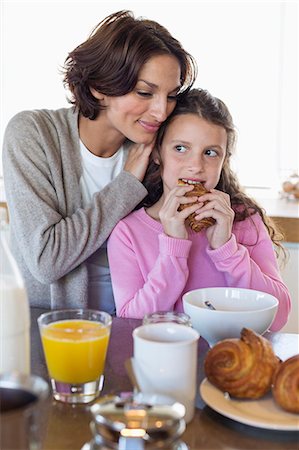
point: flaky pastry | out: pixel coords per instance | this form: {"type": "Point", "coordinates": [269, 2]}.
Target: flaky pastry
{"type": "Point", "coordinates": [285, 387]}
{"type": "Point", "coordinates": [242, 367]}
{"type": "Point", "coordinates": [198, 191]}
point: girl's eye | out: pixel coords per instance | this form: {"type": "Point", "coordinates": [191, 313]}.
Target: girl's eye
{"type": "Point", "coordinates": [211, 152]}
{"type": "Point", "coordinates": [180, 148]}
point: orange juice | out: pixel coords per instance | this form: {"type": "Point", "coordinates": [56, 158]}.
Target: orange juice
{"type": "Point", "coordinates": [75, 350]}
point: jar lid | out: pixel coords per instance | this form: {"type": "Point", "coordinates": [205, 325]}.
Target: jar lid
{"type": "Point", "coordinates": [152, 420]}
{"type": "Point", "coordinates": [167, 316]}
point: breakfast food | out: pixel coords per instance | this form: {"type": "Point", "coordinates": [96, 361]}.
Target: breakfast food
{"type": "Point", "coordinates": [285, 387]}
{"type": "Point", "coordinates": [243, 367]}
{"type": "Point", "coordinates": [199, 189]}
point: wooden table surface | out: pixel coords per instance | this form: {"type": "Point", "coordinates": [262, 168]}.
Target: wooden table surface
{"type": "Point", "coordinates": [68, 425]}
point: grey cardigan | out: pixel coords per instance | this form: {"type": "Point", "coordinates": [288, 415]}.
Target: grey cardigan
{"type": "Point", "coordinates": [51, 233]}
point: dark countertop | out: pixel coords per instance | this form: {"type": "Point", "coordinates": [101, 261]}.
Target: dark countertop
{"type": "Point", "coordinates": [68, 425]}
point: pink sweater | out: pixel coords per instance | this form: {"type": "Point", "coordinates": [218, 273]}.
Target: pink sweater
{"type": "Point", "coordinates": [151, 271]}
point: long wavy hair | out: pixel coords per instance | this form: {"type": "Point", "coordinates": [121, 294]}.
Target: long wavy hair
{"type": "Point", "coordinates": [214, 110]}
{"type": "Point", "coordinates": [111, 58]}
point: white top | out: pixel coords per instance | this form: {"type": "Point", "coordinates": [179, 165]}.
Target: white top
{"type": "Point", "coordinates": [97, 173]}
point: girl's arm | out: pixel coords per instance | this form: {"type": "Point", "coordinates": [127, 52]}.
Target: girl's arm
{"type": "Point", "coordinates": [248, 261]}
{"type": "Point", "coordinates": [147, 276]}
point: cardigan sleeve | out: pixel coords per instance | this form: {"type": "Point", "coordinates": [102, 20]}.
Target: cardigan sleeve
{"type": "Point", "coordinates": [248, 261]}
{"type": "Point", "coordinates": [138, 291]}
{"type": "Point", "coordinates": [55, 233]}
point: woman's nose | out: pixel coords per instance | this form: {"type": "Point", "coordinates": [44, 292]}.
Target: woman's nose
{"type": "Point", "coordinates": [161, 109]}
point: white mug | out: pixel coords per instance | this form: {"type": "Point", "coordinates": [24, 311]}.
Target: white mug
{"type": "Point", "coordinates": [165, 362]}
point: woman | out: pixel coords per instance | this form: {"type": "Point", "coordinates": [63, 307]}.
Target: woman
{"type": "Point", "coordinates": [72, 174]}
{"type": "Point", "coordinates": [155, 257]}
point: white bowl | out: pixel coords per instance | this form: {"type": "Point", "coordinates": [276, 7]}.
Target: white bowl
{"type": "Point", "coordinates": [235, 309]}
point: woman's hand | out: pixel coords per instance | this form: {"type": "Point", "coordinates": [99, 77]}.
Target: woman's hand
{"type": "Point", "coordinates": [173, 221]}
{"type": "Point", "coordinates": [138, 159]}
{"type": "Point", "coordinates": [219, 208]}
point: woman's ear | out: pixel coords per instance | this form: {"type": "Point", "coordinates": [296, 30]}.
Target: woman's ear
{"type": "Point", "coordinates": [98, 95]}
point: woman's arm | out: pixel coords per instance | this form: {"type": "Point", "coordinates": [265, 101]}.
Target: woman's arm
{"type": "Point", "coordinates": [248, 261]}
{"type": "Point", "coordinates": [55, 234]}
{"type": "Point", "coordinates": [147, 276]}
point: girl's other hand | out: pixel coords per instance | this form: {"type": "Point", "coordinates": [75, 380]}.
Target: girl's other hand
{"type": "Point", "coordinates": [218, 207]}
{"type": "Point", "coordinates": [173, 221]}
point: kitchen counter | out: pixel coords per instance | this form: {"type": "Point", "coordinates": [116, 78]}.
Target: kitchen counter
{"type": "Point", "coordinates": [284, 212]}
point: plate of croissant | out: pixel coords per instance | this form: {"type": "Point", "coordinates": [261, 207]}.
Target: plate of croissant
{"type": "Point", "coordinates": [247, 382]}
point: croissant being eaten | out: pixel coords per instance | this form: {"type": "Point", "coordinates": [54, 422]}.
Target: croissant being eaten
{"type": "Point", "coordinates": [242, 367]}
{"type": "Point", "coordinates": [285, 387]}
{"type": "Point", "coordinates": [198, 191]}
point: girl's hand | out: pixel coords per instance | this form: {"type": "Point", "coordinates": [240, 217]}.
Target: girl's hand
{"type": "Point", "coordinates": [138, 159]}
{"type": "Point", "coordinates": [173, 221]}
{"type": "Point", "coordinates": [219, 208]}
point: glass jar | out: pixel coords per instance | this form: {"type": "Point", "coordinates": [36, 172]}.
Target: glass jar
{"type": "Point", "coordinates": [290, 187]}
{"type": "Point", "coordinates": [14, 307]}
{"type": "Point", "coordinates": [167, 316]}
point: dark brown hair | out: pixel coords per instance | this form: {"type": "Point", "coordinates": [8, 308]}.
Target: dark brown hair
{"type": "Point", "coordinates": [214, 110]}
{"type": "Point", "coordinates": [111, 58]}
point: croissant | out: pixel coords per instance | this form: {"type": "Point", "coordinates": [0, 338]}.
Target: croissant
{"type": "Point", "coordinates": [242, 367]}
{"type": "Point", "coordinates": [195, 225]}
{"type": "Point", "coordinates": [285, 387]}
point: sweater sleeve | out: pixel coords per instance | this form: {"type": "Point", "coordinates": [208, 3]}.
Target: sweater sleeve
{"type": "Point", "coordinates": [254, 266]}
{"type": "Point", "coordinates": [55, 233]}
{"type": "Point", "coordinates": [137, 290]}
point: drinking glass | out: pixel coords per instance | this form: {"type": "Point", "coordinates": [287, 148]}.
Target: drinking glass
{"type": "Point", "coordinates": [75, 343]}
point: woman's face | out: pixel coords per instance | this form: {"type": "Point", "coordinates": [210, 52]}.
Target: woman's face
{"type": "Point", "coordinates": [139, 114]}
{"type": "Point", "coordinates": [193, 149]}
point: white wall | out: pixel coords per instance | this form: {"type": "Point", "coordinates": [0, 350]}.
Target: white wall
{"type": "Point", "coordinates": [246, 53]}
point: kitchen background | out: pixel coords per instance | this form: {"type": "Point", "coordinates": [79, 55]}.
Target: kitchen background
{"type": "Point", "coordinates": [247, 54]}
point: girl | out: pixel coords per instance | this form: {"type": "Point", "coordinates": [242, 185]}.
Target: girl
{"type": "Point", "coordinates": [155, 258]}
{"type": "Point", "coordinates": [71, 174]}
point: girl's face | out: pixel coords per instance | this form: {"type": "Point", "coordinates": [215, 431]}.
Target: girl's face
{"type": "Point", "coordinates": [139, 114]}
{"type": "Point", "coordinates": [192, 149]}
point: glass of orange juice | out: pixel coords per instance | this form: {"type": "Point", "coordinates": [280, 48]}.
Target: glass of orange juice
{"type": "Point", "coordinates": [75, 343]}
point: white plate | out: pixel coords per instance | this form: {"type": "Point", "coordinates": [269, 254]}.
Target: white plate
{"type": "Point", "coordinates": [262, 413]}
